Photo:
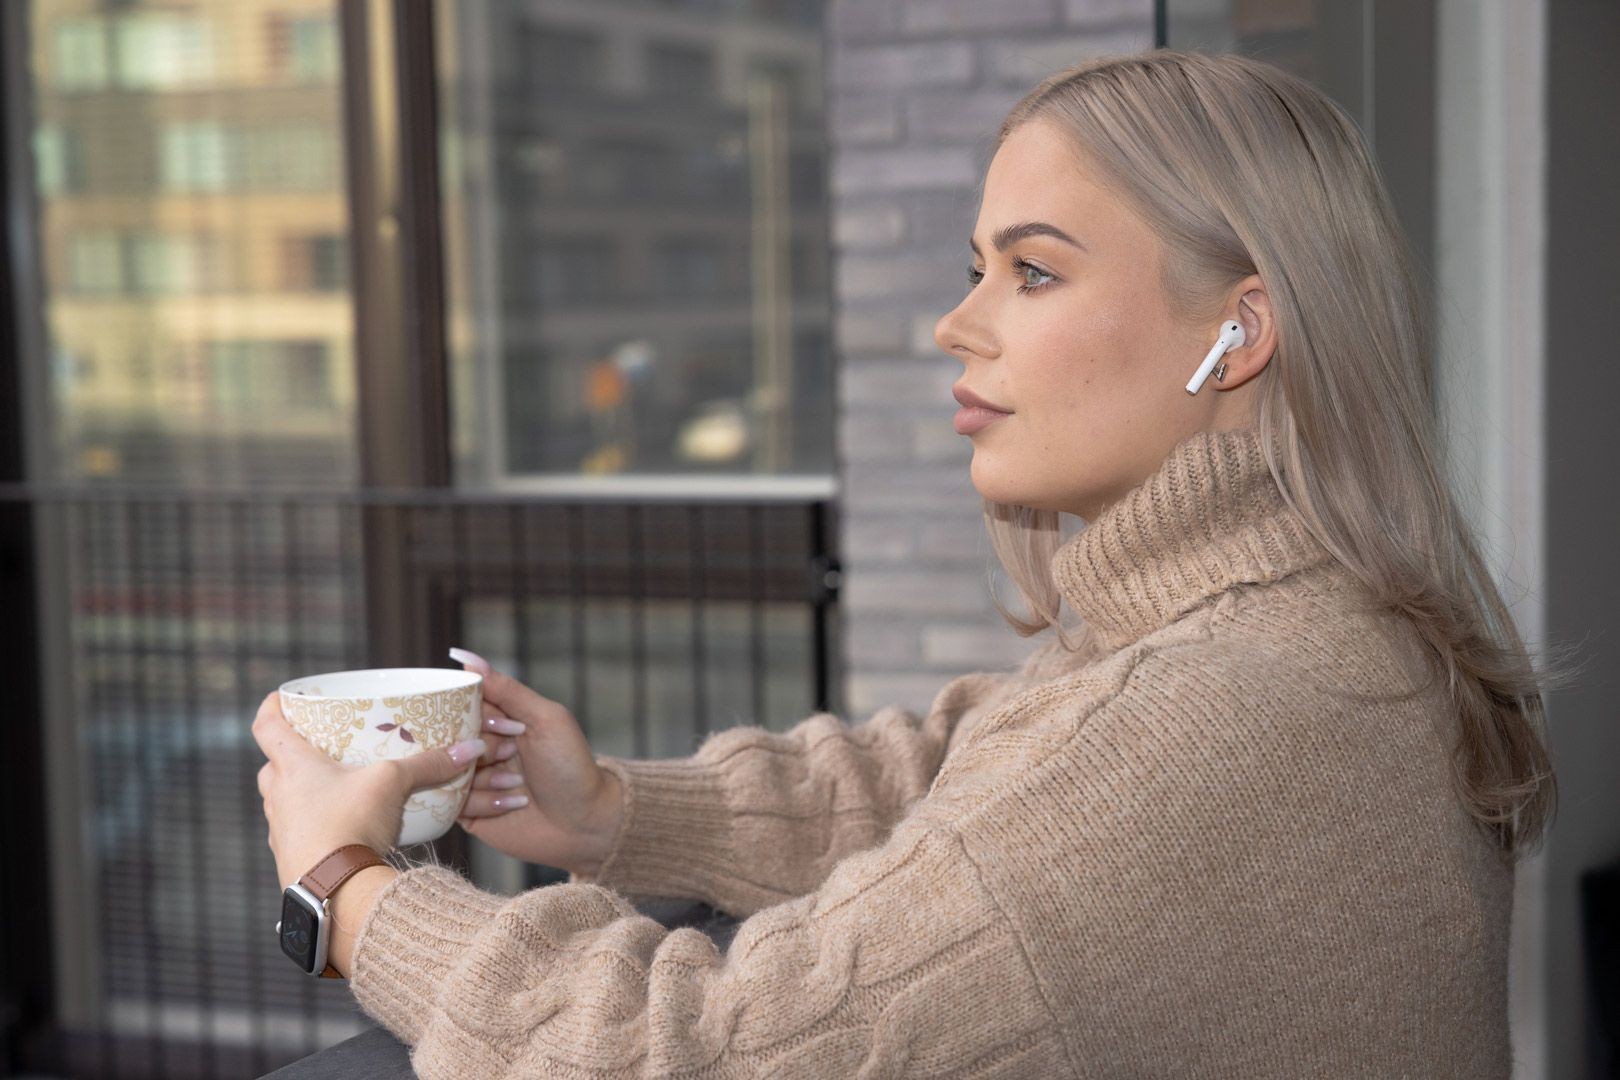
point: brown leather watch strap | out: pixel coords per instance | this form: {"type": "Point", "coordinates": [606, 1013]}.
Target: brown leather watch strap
{"type": "Point", "coordinates": [334, 870]}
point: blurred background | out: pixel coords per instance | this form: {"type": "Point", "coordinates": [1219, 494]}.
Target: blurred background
{"type": "Point", "coordinates": [597, 338]}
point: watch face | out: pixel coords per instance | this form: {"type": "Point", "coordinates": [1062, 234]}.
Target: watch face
{"type": "Point", "coordinates": [300, 929]}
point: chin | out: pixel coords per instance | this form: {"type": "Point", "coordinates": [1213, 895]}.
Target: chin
{"type": "Point", "coordinates": [998, 488]}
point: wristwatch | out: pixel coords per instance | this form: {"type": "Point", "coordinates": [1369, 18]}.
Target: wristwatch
{"type": "Point", "coordinates": [305, 929]}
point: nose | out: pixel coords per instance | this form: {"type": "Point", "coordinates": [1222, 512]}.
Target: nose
{"type": "Point", "coordinates": [960, 332]}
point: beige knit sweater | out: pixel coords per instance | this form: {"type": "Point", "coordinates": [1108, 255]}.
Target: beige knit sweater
{"type": "Point", "coordinates": [1213, 843]}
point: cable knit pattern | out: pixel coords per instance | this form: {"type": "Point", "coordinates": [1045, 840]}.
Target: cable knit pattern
{"type": "Point", "coordinates": [1219, 841]}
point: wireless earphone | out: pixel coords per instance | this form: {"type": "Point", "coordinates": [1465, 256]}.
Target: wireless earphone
{"type": "Point", "coordinates": [1231, 337]}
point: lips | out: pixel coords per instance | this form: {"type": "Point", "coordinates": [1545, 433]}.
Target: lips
{"type": "Point", "coordinates": [968, 399]}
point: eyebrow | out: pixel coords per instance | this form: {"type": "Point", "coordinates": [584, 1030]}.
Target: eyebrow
{"type": "Point", "coordinates": [1005, 238]}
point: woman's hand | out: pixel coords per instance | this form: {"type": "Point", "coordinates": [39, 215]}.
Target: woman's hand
{"type": "Point", "coordinates": [315, 805]}
{"type": "Point", "coordinates": [573, 806]}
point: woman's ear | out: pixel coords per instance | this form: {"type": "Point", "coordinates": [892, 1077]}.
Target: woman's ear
{"type": "Point", "coordinates": [1259, 334]}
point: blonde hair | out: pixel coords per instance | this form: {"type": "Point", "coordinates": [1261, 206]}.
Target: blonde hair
{"type": "Point", "coordinates": [1242, 168]}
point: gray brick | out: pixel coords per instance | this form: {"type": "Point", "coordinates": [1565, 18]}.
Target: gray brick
{"type": "Point", "coordinates": [876, 539]}
{"type": "Point", "coordinates": [868, 227]}
{"type": "Point", "coordinates": [869, 438]}
{"type": "Point", "coordinates": [870, 331]}
{"type": "Point", "coordinates": [857, 172]}
{"type": "Point", "coordinates": [873, 277]}
{"type": "Point", "coordinates": [871, 691]}
{"type": "Point", "coordinates": [858, 20]}
{"type": "Point", "coordinates": [883, 643]}
{"type": "Point", "coordinates": [1027, 63]}
{"type": "Point", "coordinates": [864, 119]}
{"type": "Point", "coordinates": [907, 66]}
{"type": "Point", "coordinates": [943, 221]}
{"type": "Point", "coordinates": [973, 646]}
{"type": "Point", "coordinates": [922, 328]}
{"type": "Point", "coordinates": [1109, 12]}
{"type": "Point", "coordinates": [953, 116]}
{"type": "Point", "coordinates": [957, 541]}
{"type": "Point", "coordinates": [909, 486]}
{"type": "Point", "coordinates": [968, 16]}
{"type": "Point", "coordinates": [936, 442]}
{"type": "Point", "coordinates": [921, 592]}
{"type": "Point", "coordinates": [880, 383]}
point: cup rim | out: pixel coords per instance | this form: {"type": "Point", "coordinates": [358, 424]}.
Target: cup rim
{"type": "Point", "coordinates": [467, 678]}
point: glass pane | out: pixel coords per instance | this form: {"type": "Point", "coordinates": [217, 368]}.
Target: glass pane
{"type": "Point", "coordinates": [195, 333]}
{"type": "Point", "coordinates": [193, 238]}
{"type": "Point", "coordinates": [635, 230]}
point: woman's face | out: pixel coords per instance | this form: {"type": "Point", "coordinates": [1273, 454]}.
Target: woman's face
{"type": "Point", "coordinates": [1076, 339]}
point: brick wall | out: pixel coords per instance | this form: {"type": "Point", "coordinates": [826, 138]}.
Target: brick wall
{"type": "Point", "coordinates": [915, 91]}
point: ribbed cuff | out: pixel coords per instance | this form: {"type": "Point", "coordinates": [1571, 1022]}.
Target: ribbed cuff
{"type": "Point", "coordinates": [674, 837]}
{"type": "Point", "coordinates": [418, 929]}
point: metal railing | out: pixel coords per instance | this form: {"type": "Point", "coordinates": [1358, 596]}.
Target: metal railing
{"type": "Point", "coordinates": [168, 615]}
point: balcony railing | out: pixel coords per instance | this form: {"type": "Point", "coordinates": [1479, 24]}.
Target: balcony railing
{"type": "Point", "coordinates": [164, 618]}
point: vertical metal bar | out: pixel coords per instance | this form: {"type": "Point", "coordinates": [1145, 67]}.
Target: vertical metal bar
{"type": "Point", "coordinates": [292, 570]}
{"type": "Point", "coordinates": [461, 573]}
{"type": "Point", "coordinates": [518, 521]}
{"type": "Point", "coordinates": [700, 662]}
{"type": "Point", "coordinates": [348, 569]}
{"type": "Point", "coordinates": [822, 594]}
{"type": "Point", "coordinates": [139, 624]}
{"type": "Point", "coordinates": [638, 634]}
{"type": "Point", "coordinates": [756, 611]}
{"type": "Point", "coordinates": [187, 587]}
{"type": "Point", "coordinates": [576, 570]}
{"type": "Point", "coordinates": [243, 611]}
{"type": "Point", "coordinates": [92, 541]}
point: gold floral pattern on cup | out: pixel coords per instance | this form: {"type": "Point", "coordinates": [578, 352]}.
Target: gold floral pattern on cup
{"type": "Point", "coordinates": [430, 720]}
{"type": "Point", "coordinates": [328, 724]}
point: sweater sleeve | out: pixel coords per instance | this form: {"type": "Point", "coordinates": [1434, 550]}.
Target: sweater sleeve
{"type": "Point", "coordinates": [756, 817]}
{"type": "Point", "coordinates": [899, 963]}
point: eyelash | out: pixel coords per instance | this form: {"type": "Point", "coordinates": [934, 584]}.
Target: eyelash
{"type": "Point", "coordinates": [1019, 266]}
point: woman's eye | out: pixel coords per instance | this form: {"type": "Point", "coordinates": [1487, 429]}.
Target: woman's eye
{"type": "Point", "coordinates": [1020, 267]}
{"type": "Point", "coordinates": [1030, 286]}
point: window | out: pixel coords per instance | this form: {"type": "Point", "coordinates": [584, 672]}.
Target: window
{"type": "Point", "coordinates": [81, 54]}
{"type": "Point", "coordinates": [679, 73]}
{"type": "Point", "coordinates": [57, 165]}
{"type": "Point", "coordinates": [95, 262]}
{"type": "Point", "coordinates": [163, 50]}
{"type": "Point", "coordinates": [635, 343]}
{"type": "Point", "coordinates": [195, 156]}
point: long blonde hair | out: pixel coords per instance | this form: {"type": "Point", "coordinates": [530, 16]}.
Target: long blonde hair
{"type": "Point", "coordinates": [1242, 168]}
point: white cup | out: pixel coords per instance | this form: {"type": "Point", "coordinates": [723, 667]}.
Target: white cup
{"type": "Point", "coordinates": [361, 717]}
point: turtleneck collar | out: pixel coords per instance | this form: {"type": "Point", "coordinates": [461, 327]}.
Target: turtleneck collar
{"type": "Point", "coordinates": [1208, 518]}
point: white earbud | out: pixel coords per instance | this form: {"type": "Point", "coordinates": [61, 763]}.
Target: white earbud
{"type": "Point", "coordinates": [1231, 337]}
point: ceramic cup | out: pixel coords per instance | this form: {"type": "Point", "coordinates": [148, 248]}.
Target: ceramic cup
{"type": "Point", "coordinates": [360, 717]}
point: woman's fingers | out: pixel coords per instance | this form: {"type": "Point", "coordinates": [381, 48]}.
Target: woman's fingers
{"type": "Point", "coordinates": [497, 748]}
{"type": "Point", "coordinates": [496, 778]}
{"type": "Point", "coordinates": [482, 804]}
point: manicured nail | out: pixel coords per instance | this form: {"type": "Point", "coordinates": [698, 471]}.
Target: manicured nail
{"type": "Point", "coordinates": [502, 780]}
{"type": "Point", "coordinates": [500, 725]}
{"type": "Point", "coordinates": [471, 659]}
{"type": "Point", "coordinates": [509, 802]}
{"type": "Point", "coordinates": [463, 752]}
{"type": "Point", "coordinates": [506, 750]}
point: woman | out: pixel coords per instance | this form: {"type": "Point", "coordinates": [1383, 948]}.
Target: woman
{"type": "Point", "coordinates": [1253, 814]}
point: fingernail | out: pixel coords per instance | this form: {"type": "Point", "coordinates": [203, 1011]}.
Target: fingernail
{"type": "Point", "coordinates": [509, 802]}
{"type": "Point", "coordinates": [471, 659]}
{"type": "Point", "coordinates": [500, 725]}
{"type": "Point", "coordinates": [506, 750]}
{"type": "Point", "coordinates": [505, 780]}
{"type": "Point", "coordinates": [463, 752]}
